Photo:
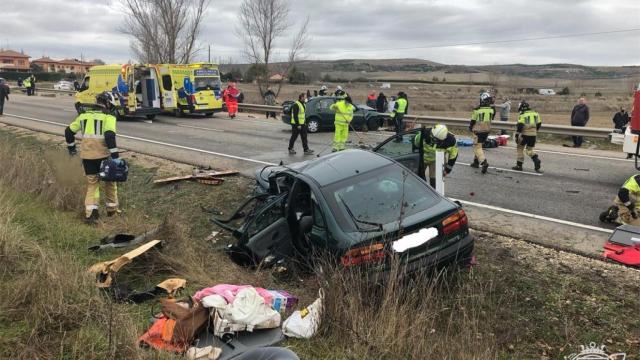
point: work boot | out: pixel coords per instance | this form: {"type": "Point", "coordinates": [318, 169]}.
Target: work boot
{"type": "Point", "coordinates": [93, 218]}
{"type": "Point", "coordinates": [518, 166]}
{"type": "Point", "coordinates": [475, 163]}
{"type": "Point", "coordinates": [308, 152]}
{"type": "Point", "coordinates": [292, 152]}
{"type": "Point", "coordinates": [113, 212]}
{"type": "Point", "coordinates": [536, 163]}
{"type": "Point", "coordinates": [485, 167]}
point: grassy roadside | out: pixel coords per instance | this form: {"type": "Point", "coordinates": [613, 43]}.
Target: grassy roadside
{"type": "Point", "coordinates": [521, 301]}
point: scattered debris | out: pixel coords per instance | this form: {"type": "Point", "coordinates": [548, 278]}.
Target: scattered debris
{"type": "Point", "coordinates": [212, 237]}
{"type": "Point", "coordinates": [197, 175]}
{"type": "Point", "coordinates": [124, 240]}
{"type": "Point", "coordinates": [169, 287]}
{"type": "Point", "coordinates": [104, 270]}
{"type": "Point", "coordinates": [572, 191]}
{"type": "Point", "coordinates": [304, 323]}
{"type": "Point", "coordinates": [210, 181]}
{"type": "Point", "coordinates": [580, 169]}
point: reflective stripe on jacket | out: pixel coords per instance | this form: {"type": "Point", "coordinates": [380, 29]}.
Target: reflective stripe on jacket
{"type": "Point", "coordinates": [483, 117]}
{"type": "Point", "coordinates": [93, 125]}
{"type": "Point", "coordinates": [344, 112]}
{"type": "Point", "coordinates": [530, 120]}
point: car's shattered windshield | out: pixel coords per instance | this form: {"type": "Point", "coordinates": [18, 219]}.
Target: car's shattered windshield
{"type": "Point", "coordinates": [377, 197]}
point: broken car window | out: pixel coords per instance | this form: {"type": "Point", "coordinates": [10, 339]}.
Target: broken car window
{"type": "Point", "coordinates": [376, 197]}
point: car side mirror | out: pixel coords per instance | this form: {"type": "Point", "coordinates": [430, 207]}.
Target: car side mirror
{"type": "Point", "coordinates": [306, 224]}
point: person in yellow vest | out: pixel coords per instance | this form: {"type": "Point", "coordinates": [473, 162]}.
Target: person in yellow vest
{"type": "Point", "coordinates": [27, 85]}
{"type": "Point", "coordinates": [437, 139]}
{"type": "Point", "coordinates": [98, 130]}
{"type": "Point", "coordinates": [625, 209]}
{"type": "Point", "coordinates": [480, 126]}
{"type": "Point", "coordinates": [298, 126]}
{"type": "Point", "coordinates": [344, 114]}
{"type": "Point", "coordinates": [529, 123]}
{"type": "Point", "coordinates": [400, 109]}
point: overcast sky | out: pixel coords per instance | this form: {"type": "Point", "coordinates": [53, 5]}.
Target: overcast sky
{"type": "Point", "coordinates": [358, 29]}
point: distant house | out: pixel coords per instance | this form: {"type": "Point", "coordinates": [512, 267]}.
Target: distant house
{"type": "Point", "coordinates": [68, 66]}
{"type": "Point", "coordinates": [14, 61]}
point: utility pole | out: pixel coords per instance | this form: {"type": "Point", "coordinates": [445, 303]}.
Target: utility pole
{"type": "Point", "coordinates": [209, 58]}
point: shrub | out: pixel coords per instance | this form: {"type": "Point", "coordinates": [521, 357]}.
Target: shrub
{"type": "Point", "coordinates": [564, 91]}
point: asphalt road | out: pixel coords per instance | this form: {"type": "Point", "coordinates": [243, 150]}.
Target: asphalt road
{"type": "Point", "coordinates": [576, 185]}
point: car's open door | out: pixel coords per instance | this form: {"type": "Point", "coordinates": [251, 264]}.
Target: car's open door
{"type": "Point", "coordinates": [265, 231]}
{"type": "Point", "coordinates": [405, 150]}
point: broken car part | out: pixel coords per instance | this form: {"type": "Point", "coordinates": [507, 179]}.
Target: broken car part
{"type": "Point", "coordinates": [124, 240]}
{"type": "Point", "coordinates": [105, 270]}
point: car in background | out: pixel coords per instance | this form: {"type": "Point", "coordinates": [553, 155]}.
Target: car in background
{"type": "Point", "coordinates": [318, 115]}
{"type": "Point", "coordinates": [362, 207]}
{"type": "Point", "coordinates": [64, 85]}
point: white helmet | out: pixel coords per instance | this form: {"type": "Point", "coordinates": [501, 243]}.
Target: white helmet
{"type": "Point", "coordinates": [323, 87]}
{"type": "Point", "coordinates": [338, 88]}
{"type": "Point", "coordinates": [440, 132]}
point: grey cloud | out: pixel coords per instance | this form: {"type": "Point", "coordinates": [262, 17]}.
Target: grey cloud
{"type": "Point", "coordinates": [353, 28]}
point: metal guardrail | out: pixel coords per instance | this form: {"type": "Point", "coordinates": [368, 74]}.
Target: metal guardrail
{"type": "Point", "coordinates": [432, 120]}
{"type": "Point", "coordinates": [463, 123]}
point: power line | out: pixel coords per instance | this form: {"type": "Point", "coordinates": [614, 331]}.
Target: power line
{"type": "Point", "coordinates": [500, 41]}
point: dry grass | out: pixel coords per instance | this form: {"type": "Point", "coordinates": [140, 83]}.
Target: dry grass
{"type": "Point", "coordinates": [520, 301]}
{"type": "Point", "coordinates": [440, 315]}
{"type": "Point", "coordinates": [50, 174]}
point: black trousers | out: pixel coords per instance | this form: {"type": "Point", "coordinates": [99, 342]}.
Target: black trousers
{"type": "Point", "coordinates": [1, 105]}
{"type": "Point", "coordinates": [399, 118]}
{"type": "Point", "coordinates": [294, 136]}
{"type": "Point", "coordinates": [577, 141]}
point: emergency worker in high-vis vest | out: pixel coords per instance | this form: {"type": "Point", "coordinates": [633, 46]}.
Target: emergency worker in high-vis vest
{"type": "Point", "coordinates": [627, 201]}
{"type": "Point", "coordinates": [97, 128]}
{"type": "Point", "coordinates": [480, 126]}
{"type": "Point", "coordinates": [299, 126]}
{"type": "Point", "coordinates": [437, 139]}
{"type": "Point", "coordinates": [529, 123]}
{"type": "Point", "coordinates": [344, 114]}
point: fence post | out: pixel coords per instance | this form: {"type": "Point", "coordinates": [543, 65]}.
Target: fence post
{"type": "Point", "coordinates": [440, 172]}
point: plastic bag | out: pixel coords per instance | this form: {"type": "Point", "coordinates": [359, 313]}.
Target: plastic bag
{"type": "Point", "coordinates": [303, 324]}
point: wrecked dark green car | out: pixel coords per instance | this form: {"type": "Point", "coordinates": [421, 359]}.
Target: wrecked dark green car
{"type": "Point", "coordinates": [363, 207]}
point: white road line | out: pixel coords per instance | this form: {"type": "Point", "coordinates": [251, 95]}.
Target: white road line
{"type": "Point", "coordinates": [507, 170]}
{"type": "Point", "coordinates": [490, 207]}
{"type": "Point", "coordinates": [157, 142]}
{"type": "Point", "coordinates": [573, 154]}
{"type": "Point", "coordinates": [534, 216]}
{"type": "Point", "coordinates": [199, 127]}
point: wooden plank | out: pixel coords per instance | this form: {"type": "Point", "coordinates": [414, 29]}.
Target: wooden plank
{"type": "Point", "coordinates": [172, 179]}
{"type": "Point", "coordinates": [198, 175]}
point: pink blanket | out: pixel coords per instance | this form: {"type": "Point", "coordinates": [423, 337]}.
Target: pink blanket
{"type": "Point", "coordinates": [229, 292]}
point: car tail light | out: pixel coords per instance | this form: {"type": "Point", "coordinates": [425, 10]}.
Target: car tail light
{"type": "Point", "coordinates": [365, 254]}
{"type": "Point", "coordinates": [454, 222]}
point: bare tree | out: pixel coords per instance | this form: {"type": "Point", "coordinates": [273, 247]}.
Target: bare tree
{"type": "Point", "coordinates": [163, 31]}
{"type": "Point", "coordinates": [262, 23]}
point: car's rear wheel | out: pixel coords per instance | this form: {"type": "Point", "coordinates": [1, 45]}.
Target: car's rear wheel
{"type": "Point", "coordinates": [313, 125]}
{"type": "Point", "coordinates": [210, 114]}
{"type": "Point", "coordinates": [373, 124]}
